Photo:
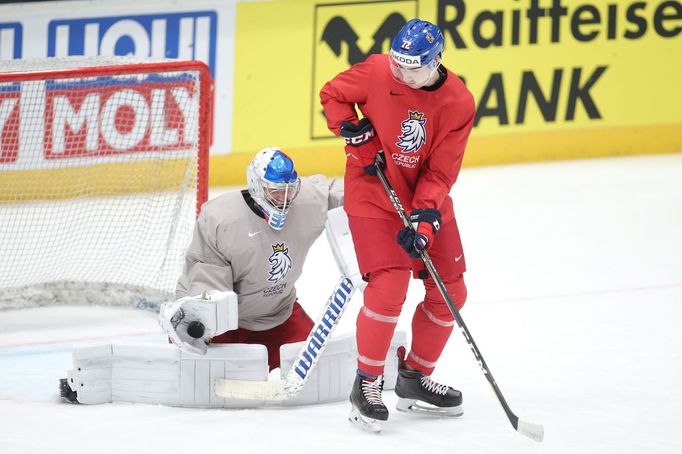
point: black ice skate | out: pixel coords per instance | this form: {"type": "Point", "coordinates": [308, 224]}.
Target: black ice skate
{"type": "Point", "coordinates": [415, 389]}
{"type": "Point", "coordinates": [368, 409]}
{"type": "Point", "coordinates": [66, 393]}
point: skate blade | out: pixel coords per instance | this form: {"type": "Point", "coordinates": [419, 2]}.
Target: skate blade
{"type": "Point", "coordinates": [417, 407]}
{"type": "Point", "coordinates": [367, 424]}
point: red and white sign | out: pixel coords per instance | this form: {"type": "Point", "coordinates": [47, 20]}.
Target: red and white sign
{"type": "Point", "coordinates": [9, 126]}
{"type": "Point", "coordinates": [100, 119]}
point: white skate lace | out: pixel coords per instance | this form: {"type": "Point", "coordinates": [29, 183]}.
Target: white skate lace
{"type": "Point", "coordinates": [433, 386]}
{"type": "Point", "coordinates": [372, 391]}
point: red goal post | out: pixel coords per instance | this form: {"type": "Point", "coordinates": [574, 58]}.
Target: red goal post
{"type": "Point", "coordinates": [103, 168]}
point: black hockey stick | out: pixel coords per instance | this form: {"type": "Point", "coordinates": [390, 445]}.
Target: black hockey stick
{"type": "Point", "coordinates": [531, 430]}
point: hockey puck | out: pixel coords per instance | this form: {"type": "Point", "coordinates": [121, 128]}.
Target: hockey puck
{"type": "Point", "coordinates": [195, 329]}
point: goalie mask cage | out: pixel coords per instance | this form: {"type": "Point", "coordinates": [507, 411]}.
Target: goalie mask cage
{"type": "Point", "coordinates": [103, 168]}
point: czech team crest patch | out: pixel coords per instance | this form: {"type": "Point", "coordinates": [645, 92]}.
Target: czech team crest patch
{"type": "Point", "coordinates": [280, 262]}
{"type": "Point", "coordinates": [413, 133]}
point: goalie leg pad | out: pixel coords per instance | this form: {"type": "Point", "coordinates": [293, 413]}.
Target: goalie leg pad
{"type": "Point", "coordinates": [341, 244]}
{"type": "Point", "coordinates": [162, 374]}
{"type": "Point", "coordinates": [332, 379]}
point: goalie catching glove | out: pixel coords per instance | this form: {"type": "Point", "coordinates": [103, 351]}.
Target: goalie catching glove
{"type": "Point", "coordinates": [192, 321]}
{"type": "Point", "coordinates": [417, 238]}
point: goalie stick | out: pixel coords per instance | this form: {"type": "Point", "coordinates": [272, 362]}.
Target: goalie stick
{"type": "Point", "coordinates": [533, 431]}
{"type": "Point", "coordinates": [305, 360]}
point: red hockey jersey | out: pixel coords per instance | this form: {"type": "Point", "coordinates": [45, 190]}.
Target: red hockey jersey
{"type": "Point", "coordinates": [423, 133]}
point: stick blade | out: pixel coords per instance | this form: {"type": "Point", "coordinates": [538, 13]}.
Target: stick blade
{"type": "Point", "coordinates": [249, 389]}
{"type": "Point", "coordinates": [533, 431]}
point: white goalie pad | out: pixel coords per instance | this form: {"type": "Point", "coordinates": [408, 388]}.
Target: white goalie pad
{"type": "Point", "coordinates": [332, 379]}
{"type": "Point", "coordinates": [215, 312]}
{"type": "Point", "coordinates": [162, 374]}
{"type": "Point", "coordinates": [341, 244]}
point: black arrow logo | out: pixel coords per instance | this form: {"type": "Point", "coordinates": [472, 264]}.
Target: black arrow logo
{"type": "Point", "coordinates": [338, 31]}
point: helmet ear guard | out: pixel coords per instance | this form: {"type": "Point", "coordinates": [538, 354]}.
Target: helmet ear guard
{"type": "Point", "coordinates": [273, 184]}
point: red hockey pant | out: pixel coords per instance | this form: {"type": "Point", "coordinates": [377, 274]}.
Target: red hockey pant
{"type": "Point", "coordinates": [388, 269]}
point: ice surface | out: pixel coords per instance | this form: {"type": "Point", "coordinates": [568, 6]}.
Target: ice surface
{"type": "Point", "coordinates": [575, 301]}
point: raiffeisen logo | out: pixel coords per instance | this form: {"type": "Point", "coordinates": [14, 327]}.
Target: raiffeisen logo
{"type": "Point", "coordinates": [10, 40]}
{"type": "Point", "coordinates": [182, 36]}
{"type": "Point", "coordinates": [345, 34]}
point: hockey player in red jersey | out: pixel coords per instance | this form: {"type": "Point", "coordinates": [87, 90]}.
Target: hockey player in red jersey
{"type": "Point", "coordinates": [420, 115]}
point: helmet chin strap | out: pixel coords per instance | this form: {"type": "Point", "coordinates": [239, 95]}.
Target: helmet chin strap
{"type": "Point", "coordinates": [433, 78]}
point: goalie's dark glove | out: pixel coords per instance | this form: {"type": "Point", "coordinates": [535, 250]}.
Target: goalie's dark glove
{"type": "Point", "coordinates": [362, 144]}
{"type": "Point", "coordinates": [416, 239]}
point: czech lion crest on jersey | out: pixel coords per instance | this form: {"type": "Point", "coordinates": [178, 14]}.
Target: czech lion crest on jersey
{"type": "Point", "coordinates": [280, 262]}
{"type": "Point", "coordinates": [413, 135]}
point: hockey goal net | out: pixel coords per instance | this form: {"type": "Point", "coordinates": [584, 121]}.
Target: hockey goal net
{"type": "Point", "coordinates": [103, 167]}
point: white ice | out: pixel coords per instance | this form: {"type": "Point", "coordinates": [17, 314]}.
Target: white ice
{"type": "Point", "coordinates": [575, 301]}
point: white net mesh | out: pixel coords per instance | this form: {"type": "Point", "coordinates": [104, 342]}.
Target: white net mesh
{"type": "Point", "coordinates": [102, 167]}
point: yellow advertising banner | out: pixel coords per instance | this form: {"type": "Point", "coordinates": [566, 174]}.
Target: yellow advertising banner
{"type": "Point", "coordinates": [552, 79]}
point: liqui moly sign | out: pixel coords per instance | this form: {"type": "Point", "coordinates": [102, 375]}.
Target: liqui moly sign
{"type": "Point", "coordinates": [117, 117]}
{"type": "Point", "coordinates": [98, 116]}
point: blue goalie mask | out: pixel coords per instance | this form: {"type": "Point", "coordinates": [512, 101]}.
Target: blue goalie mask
{"type": "Point", "coordinates": [273, 184]}
{"type": "Point", "coordinates": [415, 53]}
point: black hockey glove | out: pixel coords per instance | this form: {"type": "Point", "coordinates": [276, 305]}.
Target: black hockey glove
{"type": "Point", "coordinates": [362, 144]}
{"type": "Point", "coordinates": [416, 239]}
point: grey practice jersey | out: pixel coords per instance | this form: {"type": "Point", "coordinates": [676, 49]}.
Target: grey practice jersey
{"type": "Point", "coordinates": [235, 249]}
